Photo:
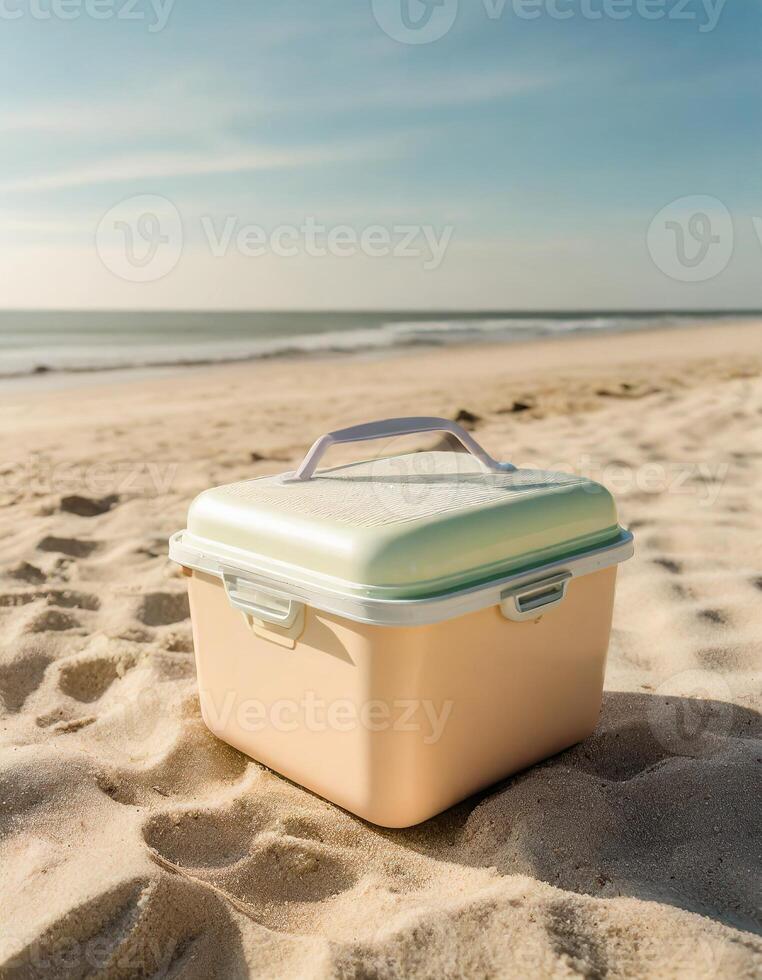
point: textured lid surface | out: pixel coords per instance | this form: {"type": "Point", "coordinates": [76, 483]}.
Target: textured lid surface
{"type": "Point", "coordinates": [415, 524]}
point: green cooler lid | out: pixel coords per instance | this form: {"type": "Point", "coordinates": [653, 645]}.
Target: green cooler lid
{"type": "Point", "coordinates": [406, 526]}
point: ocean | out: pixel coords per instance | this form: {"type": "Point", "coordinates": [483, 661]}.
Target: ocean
{"type": "Point", "coordinates": [37, 343]}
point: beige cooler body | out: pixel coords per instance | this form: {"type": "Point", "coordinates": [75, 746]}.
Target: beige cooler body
{"type": "Point", "coordinates": [396, 720]}
{"type": "Point", "coordinates": [398, 723]}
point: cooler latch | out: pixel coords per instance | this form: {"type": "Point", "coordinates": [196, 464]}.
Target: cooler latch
{"type": "Point", "coordinates": [255, 601]}
{"type": "Point", "coordinates": [531, 600]}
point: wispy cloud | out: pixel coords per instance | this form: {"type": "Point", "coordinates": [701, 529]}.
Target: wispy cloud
{"type": "Point", "coordinates": [454, 89]}
{"type": "Point", "coordinates": [126, 118]}
{"type": "Point", "coordinates": [176, 107]}
{"type": "Point", "coordinates": [123, 168]}
{"type": "Point", "coordinates": [20, 223]}
{"type": "Point", "coordinates": [171, 105]}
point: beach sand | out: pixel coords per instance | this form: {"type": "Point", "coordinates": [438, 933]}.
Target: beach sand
{"type": "Point", "coordinates": [133, 843]}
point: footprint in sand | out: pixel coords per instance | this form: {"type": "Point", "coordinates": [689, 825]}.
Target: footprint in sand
{"type": "Point", "coordinates": [73, 547]}
{"type": "Point", "coordinates": [52, 620]}
{"type": "Point", "coordinates": [669, 564]}
{"type": "Point", "coordinates": [163, 608]}
{"type": "Point", "coordinates": [714, 616]}
{"type": "Point", "coordinates": [88, 680]}
{"type": "Point", "coordinates": [257, 865]}
{"type": "Point", "coordinates": [202, 839]}
{"type": "Point", "coordinates": [10, 600]}
{"type": "Point", "coordinates": [88, 506]}
{"type": "Point", "coordinates": [26, 572]}
{"type": "Point", "coordinates": [284, 870]}
{"type": "Point", "coordinates": [70, 599]}
{"type": "Point", "coordinates": [20, 678]}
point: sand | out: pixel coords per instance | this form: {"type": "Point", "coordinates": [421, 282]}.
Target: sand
{"type": "Point", "coordinates": [133, 843]}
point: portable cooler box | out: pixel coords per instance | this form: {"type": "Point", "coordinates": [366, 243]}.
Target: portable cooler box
{"type": "Point", "coordinates": [399, 633]}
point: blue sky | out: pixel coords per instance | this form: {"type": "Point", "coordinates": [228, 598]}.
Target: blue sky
{"type": "Point", "coordinates": [545, 146]}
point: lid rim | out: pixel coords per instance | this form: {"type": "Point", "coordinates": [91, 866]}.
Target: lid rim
{"type": "Point", "coordinates": [418, 610]}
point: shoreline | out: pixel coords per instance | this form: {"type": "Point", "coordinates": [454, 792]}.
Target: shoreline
{"type": "Point", "coordinates": [48, 379]}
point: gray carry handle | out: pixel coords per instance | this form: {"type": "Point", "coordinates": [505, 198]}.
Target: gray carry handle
{"type": "Point", "coordinates": [395, 427]}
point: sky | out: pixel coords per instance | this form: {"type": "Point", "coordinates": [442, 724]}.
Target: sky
{"type": "Point", "coordinates": [381, 154]}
